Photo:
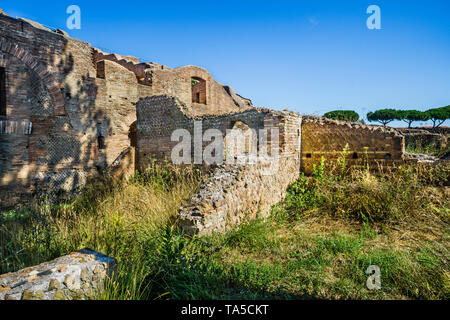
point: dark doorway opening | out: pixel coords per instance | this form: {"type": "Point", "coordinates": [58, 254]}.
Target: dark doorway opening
{"type": "Point", "coordinates": [3, 92]}
{"type": "Point", "coordinates": [101, 142]}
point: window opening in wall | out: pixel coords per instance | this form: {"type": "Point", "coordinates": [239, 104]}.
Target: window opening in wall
{"type": "Point", "coordinates": [355, 155]}
{"type": "Point", "coordinates": [2, 92]}
{"type": "Point", "coordinates": [308, 155]}
{"type": "Point", "coordinates": [198, 90]}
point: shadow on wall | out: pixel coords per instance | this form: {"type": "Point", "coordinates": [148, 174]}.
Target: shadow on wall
{"type": "Point", "coordinates": [62, 150]}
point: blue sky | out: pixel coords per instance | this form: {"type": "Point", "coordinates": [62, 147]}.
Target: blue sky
{"type": "Point", "coordinates": [306, 56]}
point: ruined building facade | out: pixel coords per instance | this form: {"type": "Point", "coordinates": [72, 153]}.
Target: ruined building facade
{"type": "Point", "coordinates": [69, 111]}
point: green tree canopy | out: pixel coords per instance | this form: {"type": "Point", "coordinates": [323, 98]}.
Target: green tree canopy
{"type": "Point", "coordinates": [344, 115]}
{"type": "Point", "coordinates": [439, 115]}
{"type": "Point", "coordinates": [409, 116]}
{"type": "Point", "coordinates": [384, 116]}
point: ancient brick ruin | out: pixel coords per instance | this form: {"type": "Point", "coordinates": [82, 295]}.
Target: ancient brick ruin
{"type": "Point", "coordinates": [239, 191]}
{"type": "Point", "coordinates": [70, 111]}
{"type": "Point", "coordinates": [236, 190]}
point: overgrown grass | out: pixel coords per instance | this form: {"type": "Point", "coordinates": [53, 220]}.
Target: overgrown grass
{"type": "Point", "coordinates": [123, 220]}
{"type": "Point", "coordinates": [321, 240]}
{"type": "Point", "coordinates": [317, 244]}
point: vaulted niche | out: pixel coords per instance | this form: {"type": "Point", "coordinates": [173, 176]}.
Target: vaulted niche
{"type": "Point", "coordinates": [198, 90]}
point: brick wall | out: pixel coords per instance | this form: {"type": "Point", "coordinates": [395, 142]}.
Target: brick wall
{"type": "Point", "coordinates": [76, 98]}
{"type": "Point", "coordinates": [159, 116]}
{"type": "Point", "coordinates": [51, 83]}
{"type": "Point", "coordinates": [233, 192]}
{"type": "Point", "coordinates": [79, 275]}
{"type": "Point", "coordinates": [328, 138]}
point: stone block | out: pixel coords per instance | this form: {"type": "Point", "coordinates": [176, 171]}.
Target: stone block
{"type": "Point", "coordinates": [79, 275]}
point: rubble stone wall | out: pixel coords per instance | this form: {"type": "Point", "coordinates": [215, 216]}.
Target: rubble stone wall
{"type": "Point", "coordinates": [79, 275]}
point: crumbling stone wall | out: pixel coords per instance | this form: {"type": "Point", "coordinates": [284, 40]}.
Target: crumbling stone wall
{"type": "Point", "coordinates": [328, 138]}
{"type": "Point", "coordinates": [234, 192]}
{"type": "Point", "coordinates": [79, 275]}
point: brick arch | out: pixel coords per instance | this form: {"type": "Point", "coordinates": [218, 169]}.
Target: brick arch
{"type": "Point", "coordinates": [40, 69]}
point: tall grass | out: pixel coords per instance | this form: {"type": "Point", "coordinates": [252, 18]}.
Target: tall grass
{"type": "Point", "coordinates": [122, 220]}
{"type": "Point", "coordinates": [320, 241]}
{"type": "Point", "coordinates": [317, 243]}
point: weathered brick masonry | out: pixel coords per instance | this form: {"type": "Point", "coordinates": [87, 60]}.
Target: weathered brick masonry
{"type": "Point", "coordinates": [233, 192]}
{"type": "Point", "coordinates": [70, 109]}
{"type": "Point", "coordinates": [328, 138]}
{"type": "Point", "coordinates": [159, 116]}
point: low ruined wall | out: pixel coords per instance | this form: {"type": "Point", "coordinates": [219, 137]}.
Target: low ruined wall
{"type": "Point", "coordinates": [234, 194]}
{"type": "Point", "coordinates": [77, 276]}
{"type": "Point", "coordinates": [328, 138]}
{"type": "Point", "coordinates": [424, 138]}
{"type": "Point", "coordinates": [251, 183]}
